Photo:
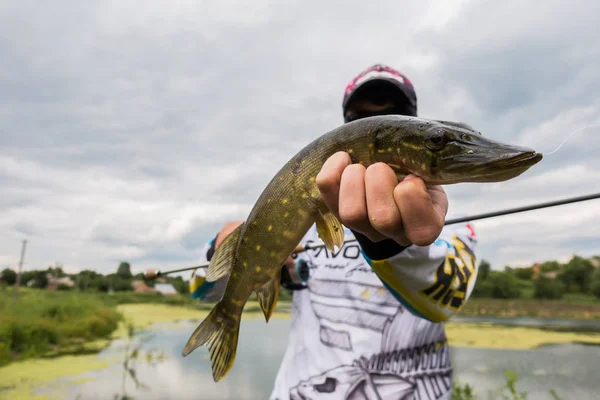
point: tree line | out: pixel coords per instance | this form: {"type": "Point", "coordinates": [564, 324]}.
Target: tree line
{"type": "Point", "coordinates": [88, 280]}
{"type": "Point", "coordinates": [547, 280]}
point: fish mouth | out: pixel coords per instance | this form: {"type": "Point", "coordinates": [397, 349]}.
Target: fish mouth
{"type": "Point", "coordinates": [508, 167]}
{"type": "Point", "coordinates": [526, 159]}
{"type": "Point", "coordinates": [487, 164]}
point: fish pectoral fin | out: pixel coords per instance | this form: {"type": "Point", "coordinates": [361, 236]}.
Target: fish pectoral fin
{"type": "Point", "coordinates": [220, 333]}
{"type": "Point", "coordinates": [268, 294]}
{"type": "Point", "coordinates": [330, 230]}
{"type": "Point", "coordinates": [222, 261]}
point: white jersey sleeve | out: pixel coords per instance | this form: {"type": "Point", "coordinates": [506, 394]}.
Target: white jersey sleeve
{"type": "Point", "coordinates": [434, 281]}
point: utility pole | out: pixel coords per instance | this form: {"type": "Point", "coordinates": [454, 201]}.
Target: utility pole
{"type": "Point", "coordinates": [18, 282]}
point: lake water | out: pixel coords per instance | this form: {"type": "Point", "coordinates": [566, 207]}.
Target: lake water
{"type": "Point", "coordinates": [572, 370]}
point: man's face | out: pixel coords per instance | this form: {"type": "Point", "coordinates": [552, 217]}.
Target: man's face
{"type": "Point", "coordinates": [366, 108]}
{"type": "Point", "coordinates": [378, 100]}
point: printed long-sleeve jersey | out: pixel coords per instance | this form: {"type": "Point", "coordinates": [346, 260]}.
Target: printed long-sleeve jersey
{"type": "Point", "coordinates": [370, 322]}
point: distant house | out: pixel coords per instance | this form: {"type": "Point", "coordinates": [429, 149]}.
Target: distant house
{"type": "Point", "coordinates": [551, 274]}
{"type": "Point", "coordinates": [140, 286]}
{"type": "Point", "coordinates": [54, 282]}
{"type": "Point", "coordinates": [165, 289]}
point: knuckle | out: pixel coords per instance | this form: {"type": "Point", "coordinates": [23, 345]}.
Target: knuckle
{"type": "Point", "coordinates": [353, 216]}
{"type": "Point", "coordinates": [423, 235]}
{"type": "Point", "coordinates": [385, 221]}
{"type": "Point", "coordinates": [330, 174]}
{"type": "Point", "coordinates": [380, 171]}
{"type": "Point", "coordinates": [378, 168]}
{"type": "Point", "coordinates": [326, 180]}
{"type": "Point", "coordinates": [413, 181]}
{"type": "Point", "coordinates": [414, 189]}
{"type": "Point", "coordinates": [341, 156]}
{"type": "Point", "coordinates": [356, 169]}
{"type": "Point", "coordinates": [338, 161]}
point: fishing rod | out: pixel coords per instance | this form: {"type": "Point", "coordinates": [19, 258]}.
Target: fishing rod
{"type": "Point", "coordinates": [153, 274]}
{"type": "Point", "coordinates": [525, 208]}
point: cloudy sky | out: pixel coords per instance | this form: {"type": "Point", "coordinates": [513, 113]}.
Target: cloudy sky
{"type": "Point", "coordinates": [132, 130]}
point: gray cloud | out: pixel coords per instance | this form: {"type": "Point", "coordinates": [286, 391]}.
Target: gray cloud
{"type": "Point", "coordinates": [130, 131]}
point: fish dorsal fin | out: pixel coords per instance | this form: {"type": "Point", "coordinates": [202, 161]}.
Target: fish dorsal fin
{"type": "Point", "coordinates": [222, 261]}
{"type": "Point", "coordinates": [330, 230]}
{"type": "Point", "coordinates": [267, 295]}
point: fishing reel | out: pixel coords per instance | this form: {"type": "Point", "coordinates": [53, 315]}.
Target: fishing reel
{"type": "Point", "coordinates": [295, 278]}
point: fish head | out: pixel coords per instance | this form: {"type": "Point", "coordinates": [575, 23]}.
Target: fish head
{"type": "Point", "coordinates": [443, 152]}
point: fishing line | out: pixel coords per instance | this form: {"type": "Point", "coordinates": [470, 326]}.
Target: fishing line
{"type": "Point", "coordinates": [571, 134]}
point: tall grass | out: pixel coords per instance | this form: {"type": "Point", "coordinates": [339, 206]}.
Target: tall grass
{"type": "Point", "coordinates": [47, 323]}
{"type": "Point", "coordinates": [508, 391]}
{"type": "Point", "coordinates": [43, 323]}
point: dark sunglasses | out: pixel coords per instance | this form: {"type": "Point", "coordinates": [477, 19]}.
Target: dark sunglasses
{"type": "Point", "coordinates": [356, 115]}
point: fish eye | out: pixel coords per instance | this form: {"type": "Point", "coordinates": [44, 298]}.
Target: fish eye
{"type": "Point", "coordinates": [436, 140]}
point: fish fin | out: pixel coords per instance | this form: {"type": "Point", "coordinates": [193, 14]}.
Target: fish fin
{"type": "Point", "coordinates": [268, 294]}
{"type": "Point", "coordinates": [220, 333]}
{"type": "Point", "coordinates": [330, 230]}
{"type": "Point", "coordinates": [222, 261]}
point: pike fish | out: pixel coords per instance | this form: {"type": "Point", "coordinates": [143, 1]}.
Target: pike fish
{"type": "Point", "coordinates": [440, 152]}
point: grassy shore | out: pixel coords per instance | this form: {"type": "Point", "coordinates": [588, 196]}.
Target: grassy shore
{"type": "Point", "coordinates": [49, 323]}
{"type": "Point", "coordinates": [573, 307]}
{"type": "Point", "coordinates": [512, 337]}
{"type": "Point", "coordinates": [44, 323]}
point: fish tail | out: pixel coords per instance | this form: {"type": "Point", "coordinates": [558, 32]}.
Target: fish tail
{"type": "Point", "coordinates": [219, 331]}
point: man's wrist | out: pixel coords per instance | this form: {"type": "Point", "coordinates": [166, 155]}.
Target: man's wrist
{"type": "Point", "coordinates": [378, 250]}
{"type": "Point", "coordinates": [211, 250]}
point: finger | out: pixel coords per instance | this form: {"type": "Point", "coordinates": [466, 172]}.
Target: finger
{"type": "Point", "coordinates": [353, 203]}
{"type": "Point", "coordinates": [384, 215]}
{"type": "Point", "coordinates": [439, 199]}
{"type": "Point", "coordinates": [422, 220]}
{"type": "Point", "coordinates": [329, 178]}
